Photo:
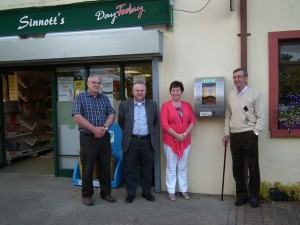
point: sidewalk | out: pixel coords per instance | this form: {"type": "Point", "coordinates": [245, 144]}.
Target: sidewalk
{"type": "Point", "coordinates": [45, 200]}
{"type": "Point", "coordinates": [276, 213]}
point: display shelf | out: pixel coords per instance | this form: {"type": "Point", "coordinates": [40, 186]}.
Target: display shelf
{"type": "Point", "coordinates": [30, 140]}
{"type": "Point", "coordinates": [15, 135]}
{"type": "Point", "coordinates": [10, 155]}
{"type": "Point", "coordinates": [42, 148]}
{"type": "Point", "coordinates": [28, 132]}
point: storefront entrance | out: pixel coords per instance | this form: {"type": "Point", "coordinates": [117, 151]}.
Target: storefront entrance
{"type": "Point", "coordinates": [39, 134]}
{"type": "Point", "coordinates": [121, 57]}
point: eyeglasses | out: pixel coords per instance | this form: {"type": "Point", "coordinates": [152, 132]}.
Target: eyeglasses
{"type": "Point", "coordinates": [238, 77]}
{"type": "Point", "coordinates": [95, 83]}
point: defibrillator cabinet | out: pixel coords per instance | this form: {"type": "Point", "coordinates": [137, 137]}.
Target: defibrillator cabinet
{"type": "Point", "coordinates": [209, 97]}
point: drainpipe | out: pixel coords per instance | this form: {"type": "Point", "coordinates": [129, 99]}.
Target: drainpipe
{"type": "Point", "coordinates": [243, 35]}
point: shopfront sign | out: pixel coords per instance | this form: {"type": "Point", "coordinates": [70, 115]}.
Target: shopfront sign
{"type": "Point", "coordinates": [84, 16]}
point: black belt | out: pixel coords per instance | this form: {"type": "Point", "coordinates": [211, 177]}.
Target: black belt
{"type": "Point", "coordinates": [90, 134]}
{"type": "Point", "coordinates": [87, 134]}
{"type": "Point", "coordinates": [140, 136]}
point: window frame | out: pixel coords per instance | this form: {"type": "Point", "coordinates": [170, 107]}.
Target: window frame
{"type": "Point", "coordinates": [274, 38]}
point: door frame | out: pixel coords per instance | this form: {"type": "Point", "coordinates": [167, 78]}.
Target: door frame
{"type": "Point", "coordinates": [2, 128]}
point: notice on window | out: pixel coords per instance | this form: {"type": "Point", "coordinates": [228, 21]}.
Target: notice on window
{"type": "Point", "coordinates": [108, 88]}
{"type": "Point", "coordinates": [79, 86]}
{"type": "Point", "coordinates": [65, 89]}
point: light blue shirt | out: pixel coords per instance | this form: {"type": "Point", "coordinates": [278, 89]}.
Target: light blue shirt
{"type": "Point", "coordinates": [140, 126]}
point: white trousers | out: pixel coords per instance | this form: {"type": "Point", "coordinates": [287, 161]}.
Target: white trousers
{"type": "Point", "coordinates": [172, 162]}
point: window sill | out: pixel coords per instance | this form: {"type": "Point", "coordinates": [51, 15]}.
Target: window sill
{"type": "Point", "coordinates": [282, 133]}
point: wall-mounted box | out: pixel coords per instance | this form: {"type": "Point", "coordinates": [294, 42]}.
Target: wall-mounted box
{"type": "Point", "coordinates": [209, 97]}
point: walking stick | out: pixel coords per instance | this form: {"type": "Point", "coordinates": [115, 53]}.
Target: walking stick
{"type": "Point", "coordinates": [224, 170]}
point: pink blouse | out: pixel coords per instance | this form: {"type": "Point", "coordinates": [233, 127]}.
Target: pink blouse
{"type": "Point", "coordinates": [169, 118]}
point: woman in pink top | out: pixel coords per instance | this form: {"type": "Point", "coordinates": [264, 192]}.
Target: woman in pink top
{"type": "Point", "coordinates": [177, 120]}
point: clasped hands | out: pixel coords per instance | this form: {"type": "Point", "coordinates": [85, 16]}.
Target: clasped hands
{"type": "Point", "coordinates": [99, 132]}
{"type": "Point", "coordinates": [180, 137]}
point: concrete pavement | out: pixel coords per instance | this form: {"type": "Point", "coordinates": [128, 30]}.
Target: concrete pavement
{"type": "Point", "coordinates": [36, 199]}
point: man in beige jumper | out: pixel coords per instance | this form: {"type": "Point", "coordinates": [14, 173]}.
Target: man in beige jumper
{"type": "Point", "coordinates": [244, 121]}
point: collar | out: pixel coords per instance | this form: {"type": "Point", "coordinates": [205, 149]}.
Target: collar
{"type": "Point", "coordinates": [90, 95]}
{"type": "Point", "coordinates": [242, 91]}
{"type": "Point", "coordinates": [139, 103]}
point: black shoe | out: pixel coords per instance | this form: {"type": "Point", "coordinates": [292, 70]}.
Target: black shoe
{"type": "Point", "coordinates": [254, 202]}
{"type": "Point", "coordinates": [108, 198]}
{"type": "Point", "coordinates": [240, 201]}
{"type": "Point", "coordinates": [88, 201]}
{"type": "Point", "coordinates": [149, 197]}
{"type": "Point", "coordinates": [129, 198]}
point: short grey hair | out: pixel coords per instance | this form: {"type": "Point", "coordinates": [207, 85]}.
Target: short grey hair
{"type": "Point", "coordinates": [244, 71]}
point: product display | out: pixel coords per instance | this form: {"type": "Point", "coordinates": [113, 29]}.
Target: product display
{"type": "Point", "coordinates": [28, 122]}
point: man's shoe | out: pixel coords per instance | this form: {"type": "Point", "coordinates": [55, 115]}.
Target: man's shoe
{"type": "Point", "coordinates": [129, 198]}
{"type": "Point", "coordinates": [108, 198]}
{"type": "Point", "coordinates": [149, 197]}
{"type": "Point", "coordinates": [254, 202]}
{"type": "Point", "coordinates": [88, 201]}
{"type": "Point", "coordinates": [240, 201]}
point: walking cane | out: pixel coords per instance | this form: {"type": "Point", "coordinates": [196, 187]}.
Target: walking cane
{"type": "Point", "coordinates": [224, 170]}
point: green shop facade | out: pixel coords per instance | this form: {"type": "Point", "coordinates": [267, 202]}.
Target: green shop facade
{"type": "Point", "coordinates": [46, 56]}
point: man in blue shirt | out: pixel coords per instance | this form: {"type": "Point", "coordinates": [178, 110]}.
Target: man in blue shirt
{"type": "Point", "coordinates": [94, 115]}
{"type": "Point", "coordinates": [138, 120]}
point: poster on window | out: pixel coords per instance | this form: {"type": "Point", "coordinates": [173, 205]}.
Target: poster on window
{"type": "Point", "coordinates": [65, 89]}
{"type": "Point", "coordinates": [79, 86]}
{"type": "Point", "coordinates": [108, 88]}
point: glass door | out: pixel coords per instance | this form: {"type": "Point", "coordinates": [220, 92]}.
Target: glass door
{"type": "Point", "coordinates": [70, 82]}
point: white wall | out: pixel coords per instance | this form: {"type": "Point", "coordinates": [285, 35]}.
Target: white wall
{"type": "Point", "coordinates": [206, 44]}
{"type": "Point", "coordinates": [279, 157]}
{"type": "Point", "coordinates": [202, 44]}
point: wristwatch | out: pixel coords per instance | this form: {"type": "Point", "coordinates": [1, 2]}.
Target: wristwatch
{"type": "Point", "coordinates": [106, 128]}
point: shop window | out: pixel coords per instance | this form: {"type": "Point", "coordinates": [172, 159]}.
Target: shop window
{"type": "Point", "coordinates": [284, 76]}
{"type": "Point", "coordinates": [111, 85]}
{"type": "Point", "coordinates": [117, 80]}
{"type": "Point", "coordinates": [138, 73]}
{"type": "Point", "coordinates": [27, 113]}
{"type": "Point", "coordinates": [70, 82]}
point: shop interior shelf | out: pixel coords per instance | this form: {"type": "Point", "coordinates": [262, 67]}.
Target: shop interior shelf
{"type": "Point", "coordinates": [17, 135]}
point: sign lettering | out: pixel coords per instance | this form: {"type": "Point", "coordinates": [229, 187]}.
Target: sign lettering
{"type": "Point", "coordinates": [25, 21]}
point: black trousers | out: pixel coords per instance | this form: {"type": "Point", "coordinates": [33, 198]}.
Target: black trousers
{"type": "Point", "coordinates": [95, 150]}
{"type": "Point", "coordinates": [244, 146]}
{"type": "Point", "coordinates": [140, 153]}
